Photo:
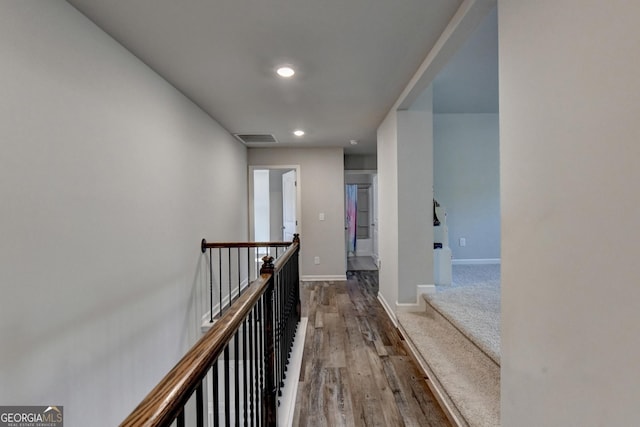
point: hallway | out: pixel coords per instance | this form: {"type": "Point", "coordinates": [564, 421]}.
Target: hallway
{"type": "Point", "coordinates": [355, 370]}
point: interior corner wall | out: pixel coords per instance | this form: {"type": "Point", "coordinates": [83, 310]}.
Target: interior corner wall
{"type": "Point", "coordinates": [405, 204]}
{"type": "Point", "coordinates": [322, 186]}
{"type": "Point", "coordinates": [109, 179]}
{"type": "Point", "coordinates": [467, 181]}
{"type": "Point", "coordinates": [387, 146]}
{"type": "Point", "coordinates": [415, 197]}
{"type": "Point", "coordinates": [569, 152]}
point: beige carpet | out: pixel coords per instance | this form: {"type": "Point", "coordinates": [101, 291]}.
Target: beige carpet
{"type": "Point", "coordinates": [472, 304]}
{"type": "Point", "coordinates": [459, 340]}
{"type": "Point", "coordinates": [470, 379]}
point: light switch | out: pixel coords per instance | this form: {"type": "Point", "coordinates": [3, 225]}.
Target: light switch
{"type": "Point", "coordinates": [321, 216]}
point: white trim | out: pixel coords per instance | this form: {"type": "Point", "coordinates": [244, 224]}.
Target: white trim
{"type": "Point", "coordinates": [475, 261]}
{"type": "Point", "coordinates": [426, 289]}
{"type": "Point", "coordinates": [387, 309]}
{"type": "Point", "coordinates": [250, 170]}
{"type": "Point", "coordinates": [290, 389]}
{"type": "Point", "coordinates": [420, 304]}
{"type": "Point", "coordinates": [321, 278]}
{"type": "Point", "coordinates": [360, 171]}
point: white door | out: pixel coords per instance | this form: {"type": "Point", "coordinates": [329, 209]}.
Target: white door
{"type": "Point", "coordinates": [289, 219]}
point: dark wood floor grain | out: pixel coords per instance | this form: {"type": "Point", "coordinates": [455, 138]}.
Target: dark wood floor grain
{"type": "Point", "coordinates": [355, 368]}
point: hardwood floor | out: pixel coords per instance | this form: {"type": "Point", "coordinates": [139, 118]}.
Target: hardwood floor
{"type": "Point", "coordinates": [355, 370]}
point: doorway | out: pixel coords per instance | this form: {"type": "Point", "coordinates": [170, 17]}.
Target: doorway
{"type": "Point", "coordinates": [274, 203]}
{"type": "Point", "coordinates": [361, 219]}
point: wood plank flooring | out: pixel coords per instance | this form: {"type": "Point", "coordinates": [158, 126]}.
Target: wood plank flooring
{"type": "Point", "coordinates": [355, 369]}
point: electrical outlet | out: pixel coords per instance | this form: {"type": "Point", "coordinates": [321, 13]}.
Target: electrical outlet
{"type": "Point", "coordinates": [316, 260]}
{"type": "Point", "coordinates": [463, 241]}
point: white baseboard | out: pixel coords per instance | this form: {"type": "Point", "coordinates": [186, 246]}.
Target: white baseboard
{"type": "Point", "coordinates": [419, 305]}
{"type": "Point", "coordinates": [426, 289]}
{"type": "Point", "coordinates": [327, 278]}
{"type": "Point", "coordinates": [290, 390]}
{"type": "Point", "coordinates": [387, 309]}
{"type": "Point", "coordinates": [475, 261]}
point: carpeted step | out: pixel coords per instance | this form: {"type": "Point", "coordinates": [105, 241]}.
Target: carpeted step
{"type": "Point", "coordinates": [474, 311]}
{"type": "Point", "coordinates": [466, 377]}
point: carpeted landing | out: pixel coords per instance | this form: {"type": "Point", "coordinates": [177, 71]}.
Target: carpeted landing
{"type": "Point", "coordinates": [458, 337]}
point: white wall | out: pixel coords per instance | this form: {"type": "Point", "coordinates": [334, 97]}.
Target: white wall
{"type": "Point", "coordinates": [360, 162]}
{"type": "Point", "coordinates": [467, 181]}
{"type": "Point", "coordinates": [109, 178]}
{"type": "Point", "coordinates": [570, 212]}
{"type": "Point", "coordinates": [387, 140]}
{"type": "Point", "coordinates": [322, 183]}
{"type": "Point", "coordinates": [405, 171]}
{"type": "Point", "coordinates": [415, 201]}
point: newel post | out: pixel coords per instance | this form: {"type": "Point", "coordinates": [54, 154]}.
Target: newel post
{"type": "Point", "coordinates": [269, 392]}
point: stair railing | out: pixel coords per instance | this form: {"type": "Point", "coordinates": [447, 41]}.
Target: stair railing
{"type": "Point", "coordinates": [240, 362]}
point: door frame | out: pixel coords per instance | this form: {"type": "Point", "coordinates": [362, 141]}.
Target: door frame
{"type": "Point", "coordinates": [251, 168]}
{"type": "Point", "coordinates": [372, 199]}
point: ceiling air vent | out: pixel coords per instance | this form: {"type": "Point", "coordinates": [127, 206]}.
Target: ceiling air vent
{"type": "Point", "coordinates": [252, 139]}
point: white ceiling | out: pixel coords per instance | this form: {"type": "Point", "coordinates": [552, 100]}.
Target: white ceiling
{"type": "Point", "coordinates": [353, 58]}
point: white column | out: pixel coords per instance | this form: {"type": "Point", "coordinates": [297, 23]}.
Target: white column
{"type": "Point", "coordinates": [415, 197]}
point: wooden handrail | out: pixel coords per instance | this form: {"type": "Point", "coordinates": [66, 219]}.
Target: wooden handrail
{"type": "Point", "coordinates": [206, 245]}
{"type": "Point", "coordinates": [163, 404]}
{"type": "Point", "coordinates": [284, 258]}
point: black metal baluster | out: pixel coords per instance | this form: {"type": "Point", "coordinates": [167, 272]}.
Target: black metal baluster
{"type": "Point", "coordinates": [227, 420]}
{"type": "Point", "coordinates": [210, 287]}
{"type": "Point", "coordinates": [229, 277]}
{"type": "Point", "coordinates": [199, 406]}
{"type": "Point", "coordinates": [260, 359]}
{"type": "Point", "coordinates": [248, 266]}
{"type": "Point", "coordinates": [236, 376]}
{"type": "Point", "coordinates": [180, 418]}
{"type": "Point", "coordinates": [216, 394]}
{"type": "Point", "coordinates": [220, 281]}
{"type": "Point", "coordinates": [274, 307]}
{"type": "Point", "coordinates": [239, 275]}
{"type": "Point", "coordinates": [245, 382]}
{"type": "Point", "coordinates": [269, 349]}
{"type": "Point", "coordinates": [252, 325]}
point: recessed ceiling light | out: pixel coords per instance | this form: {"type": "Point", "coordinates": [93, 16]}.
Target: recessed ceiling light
{"type": "Point", "coordinates": [298, 132]}
{"type": "Point", "coordinates": [354, 142]}
{"type": "Point", "coordinates": [285, 71]}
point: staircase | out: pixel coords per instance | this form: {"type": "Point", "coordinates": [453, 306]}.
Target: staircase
{"type": "Point", "coordinates": [463, 364]}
